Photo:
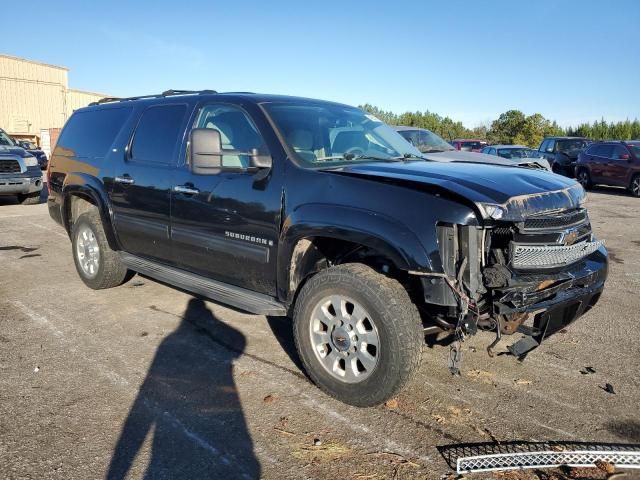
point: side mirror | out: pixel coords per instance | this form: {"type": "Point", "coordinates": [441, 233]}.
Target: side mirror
{"type": "Point", "coordinates": [259, 160]}
{"type": "Point", "coordinates": [625, 156]}
{"type": "Point", "coordinates": [206, 151]}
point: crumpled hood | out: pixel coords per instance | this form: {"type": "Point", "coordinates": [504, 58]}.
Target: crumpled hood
{"type": "Point", "coordinates": [462, 156]}
{"type": "Point", "coordinates": [18, 151]}
{"type": "Point", "coordinates": [520, 191]}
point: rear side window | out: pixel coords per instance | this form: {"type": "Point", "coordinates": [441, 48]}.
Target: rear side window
{"type": "Point", "coordinates": [90, 134]}
{"type": "Point", "coordinates": [157, 134]}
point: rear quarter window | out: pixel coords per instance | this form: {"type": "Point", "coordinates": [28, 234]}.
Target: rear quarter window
{"type": "Point", "coordinates": [90, 134]}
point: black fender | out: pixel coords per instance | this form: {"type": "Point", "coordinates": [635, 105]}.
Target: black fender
{"type": "Point", "coordinates": [373, 230]}
{"type": "Point", "coordinates": [93, 190]}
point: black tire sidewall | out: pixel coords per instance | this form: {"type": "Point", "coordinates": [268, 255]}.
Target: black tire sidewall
{"type": "Point", "coordinates": [586, 172]}
{"type": "Point", "coordinates": [86, 219]}
{"type": "Point", "coordinates": [376, 388]}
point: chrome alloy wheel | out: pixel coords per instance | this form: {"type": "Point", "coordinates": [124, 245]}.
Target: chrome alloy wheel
{"type": "Point", "coordinates": [635, 186]}
{"type": "Point", "coordinates": [87, 251]}
{"type": "Point", "coordinates": [583, 179]}
{"type": "Point", "coordinates": [344, 339]}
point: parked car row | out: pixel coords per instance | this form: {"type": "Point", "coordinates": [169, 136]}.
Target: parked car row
{"type": "Point", "coordinates": [20, 174]}
{"type": "Point", "coordinates": [435, 148]}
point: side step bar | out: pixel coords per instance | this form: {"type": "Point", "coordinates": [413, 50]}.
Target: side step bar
{"type": "Point", "coordinates": [238, 297]}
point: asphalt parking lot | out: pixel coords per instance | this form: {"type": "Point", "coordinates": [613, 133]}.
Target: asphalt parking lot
{"type": "Point", "coordinates": [147, 381]}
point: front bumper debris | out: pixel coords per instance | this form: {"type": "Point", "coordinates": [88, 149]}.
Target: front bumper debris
{"type": "Point", "coordinates": [548, 459]}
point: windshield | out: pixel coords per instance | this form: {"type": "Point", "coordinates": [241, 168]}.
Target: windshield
{"type": "Point", "coordinates": [6, 140]}
{"type": "Point", "coordinates": [467, 146]}
{"type": "Point", "coordinates": [426, 141]}
{"type": "Point", "coordinates": [570, 145]}
{"type": "Point", "coordinates": [518, 153]}
{"type": "Point", "coordinates": [322, 134]}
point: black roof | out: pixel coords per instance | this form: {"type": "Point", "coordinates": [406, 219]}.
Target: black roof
{"type": "Point", "coordinates": [565, 138]}
{"type": "Point", "coordinates": [170, 95]}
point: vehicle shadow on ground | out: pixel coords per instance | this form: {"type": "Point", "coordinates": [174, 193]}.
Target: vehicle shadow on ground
{"type": "Point", "coordinates": [282, 328]}
{"type": "Point", "coordinates": [189, 404]}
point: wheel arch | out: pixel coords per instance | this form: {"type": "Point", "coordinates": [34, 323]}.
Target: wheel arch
{"type": "Point", "coordinates": [318, 236]}
{"type": "Point", "coordinates": [80, 191]}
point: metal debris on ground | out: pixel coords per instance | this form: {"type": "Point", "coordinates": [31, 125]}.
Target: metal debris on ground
{"type": "Point", "coordinates": [548, 459]}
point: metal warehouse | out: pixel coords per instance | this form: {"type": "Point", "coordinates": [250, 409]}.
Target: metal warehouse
{"type": "Point", "coordinates": [35, 99]}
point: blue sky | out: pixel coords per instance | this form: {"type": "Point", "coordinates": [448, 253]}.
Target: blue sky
{"type": "Point", "coordinates": [571, 61]}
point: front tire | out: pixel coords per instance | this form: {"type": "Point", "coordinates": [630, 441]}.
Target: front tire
{"type": "Point", "coordinates": [358, 334]}
{"type": "Point", "coordinates": [29, 198]}
{"type": "Point", "coordinates": [98, 266]}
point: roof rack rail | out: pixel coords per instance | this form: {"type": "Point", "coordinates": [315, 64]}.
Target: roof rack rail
{"type": "Point", "coordinates": [166, 93]}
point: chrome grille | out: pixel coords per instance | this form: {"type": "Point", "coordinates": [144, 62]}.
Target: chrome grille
{"type": "Point", "coordinates": [550, 256]}
{"type": "Point", "coordinates": [556, 221]}
{"type": "Point", "coordinates": [547, 459]}
{"type": "Point", "coordinates": [9, 166]}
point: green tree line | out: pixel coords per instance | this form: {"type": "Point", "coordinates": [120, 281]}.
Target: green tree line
{"type": "Point", "coordinates": [511, 127]}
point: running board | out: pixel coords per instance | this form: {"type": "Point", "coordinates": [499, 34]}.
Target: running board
{"type": "Point", "coordinates": [237, 297]}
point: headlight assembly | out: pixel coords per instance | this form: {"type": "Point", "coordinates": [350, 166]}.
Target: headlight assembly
{"type": "Point", "coordinates": [30, 161]}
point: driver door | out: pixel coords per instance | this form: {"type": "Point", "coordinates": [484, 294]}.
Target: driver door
{"type": "Point", "coordinates": [224, 225]}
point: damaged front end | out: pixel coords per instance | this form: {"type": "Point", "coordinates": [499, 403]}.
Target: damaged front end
{"type": "Point", "coordinates": [533, 267]}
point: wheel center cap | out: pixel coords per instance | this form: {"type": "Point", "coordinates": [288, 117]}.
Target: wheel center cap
{"type": "Point", "coordinates": [341, 339]}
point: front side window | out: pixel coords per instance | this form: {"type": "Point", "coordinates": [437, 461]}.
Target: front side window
{"type": "Point", "coordinates": [324, 134]}
{"type": "Point", "coordinates": [618, 152]}
{"type": "Point", "coordinates": [237, 133]}
{"type": "Point", "coordinates": [412, 136]}
{"type": "Point", "coordinates": [158, 133]}
{"type": "Point", "coordinates": [635, 149]}
{"type": "Point", "coordinates": [432, 143]}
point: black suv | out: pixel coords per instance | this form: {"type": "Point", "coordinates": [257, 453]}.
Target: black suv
{"type": "Point", "coordinates": [562, 153]}
{"type": "Point", "coordinates": [316, 210]}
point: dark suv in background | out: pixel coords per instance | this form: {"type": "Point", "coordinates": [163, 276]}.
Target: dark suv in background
{"type": "Point", "coordinates": [562, 153]}
{"type": "Point", "coordinates": [612, 163]}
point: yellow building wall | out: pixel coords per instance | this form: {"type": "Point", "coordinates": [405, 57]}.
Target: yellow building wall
{"type": "Point", "coordinates": [36, 96]}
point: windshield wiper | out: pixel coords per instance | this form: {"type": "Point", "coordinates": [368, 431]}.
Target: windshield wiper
{"type": "Point", "coordinates": [437, 150]}
{"type": "Point", "coordinates": [411, 156]}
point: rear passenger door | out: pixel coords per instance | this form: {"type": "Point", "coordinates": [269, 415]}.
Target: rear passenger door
{"type": "Point", "coordinates": [599, 162]}
{"type": "Point", "coordinates": [141, 192]}
{"type": "Point", "coordinates": [618, 165]}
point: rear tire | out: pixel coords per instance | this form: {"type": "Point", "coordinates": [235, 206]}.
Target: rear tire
{"type": "Point", "coordinates": [98, 266]}
{"type": "Point", "coordinates": [372, 340]}
{"type": "Point", "coordinates": [584, 178]}
{"type": "Point", "coordinates": [634, 188]}
{"type": "Point", "coordinates": [29, 198]}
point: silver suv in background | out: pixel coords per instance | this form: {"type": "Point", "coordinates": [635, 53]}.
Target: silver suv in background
{"type": "Point", "coordinates": [20, 174]}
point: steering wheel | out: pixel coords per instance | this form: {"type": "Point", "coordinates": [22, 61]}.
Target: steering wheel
{"type": "Point", "coordinates": [354, 151]}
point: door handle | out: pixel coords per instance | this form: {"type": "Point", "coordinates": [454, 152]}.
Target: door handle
{"type": "Point", "coordinates": [186, 190]}
{"type": "Point", "coordinates": [127, 180]}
